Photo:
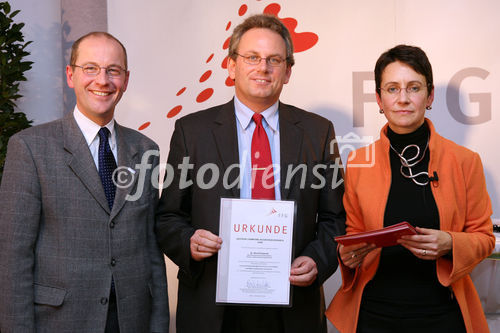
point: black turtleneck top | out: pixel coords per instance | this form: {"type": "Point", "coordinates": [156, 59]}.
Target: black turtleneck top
{"type": "Point", "coordinates": [404, 282]}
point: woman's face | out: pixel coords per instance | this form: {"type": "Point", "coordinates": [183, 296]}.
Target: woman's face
{"type": "Point", "coordinates": [403, 96]}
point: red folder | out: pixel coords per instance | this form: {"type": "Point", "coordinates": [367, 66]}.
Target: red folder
{"type": "Point", "coordinates": [387, 236]}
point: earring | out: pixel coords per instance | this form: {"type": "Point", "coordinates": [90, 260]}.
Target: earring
{"type": "Point", "coordinates": [381, 111]}
{"type": "Point", "coordinates": [428, 107]}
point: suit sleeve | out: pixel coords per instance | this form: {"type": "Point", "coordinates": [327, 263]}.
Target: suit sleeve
{"type": "Point", "coordinates": [160, 316]}
{"type": "Point", "coordinates": [331, 215]}
{"type": "Point", "coordinates": [173, 219]}
{"type": "Point", "coordinates": [20, 214]}
{"type": "Point", "coordinates": [476, 241]}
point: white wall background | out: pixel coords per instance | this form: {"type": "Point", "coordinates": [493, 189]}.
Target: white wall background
{"type": "Point", "coordinates": [43, 90]}
{"type": "Point", "coordinates": [170, 43]}
{"type": "Point", "coordinates": [168, 48]}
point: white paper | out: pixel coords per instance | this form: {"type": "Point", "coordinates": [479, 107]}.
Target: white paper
{"type": "Point", "coordinates": [255, 256]}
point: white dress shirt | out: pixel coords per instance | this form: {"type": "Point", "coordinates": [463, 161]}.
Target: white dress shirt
{"type": "Point", "coordinates": [90, 133]}
{"type": "Point", "coordinates": [245, 127]}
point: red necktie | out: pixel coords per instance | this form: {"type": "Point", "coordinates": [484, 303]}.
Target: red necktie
{"type": "Point", "coordinates": [262, 168]}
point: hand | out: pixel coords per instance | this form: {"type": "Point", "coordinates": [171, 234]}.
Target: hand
{"type": "Point", "coordinates": [353, 255]}
{"type": "Point", "coordinates": [204, 244]}
{"type": "Point", "coordinates": [429, 244]}
{"type": "Point", "coordinates": [303, 271]}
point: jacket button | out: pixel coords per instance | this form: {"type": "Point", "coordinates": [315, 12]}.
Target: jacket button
{"type": "Point", "coordinates": [112, 225]}
{"type": "Point", "coordinates": [113, 262]}
{"type": "Point", "coordinates": [104, 301]}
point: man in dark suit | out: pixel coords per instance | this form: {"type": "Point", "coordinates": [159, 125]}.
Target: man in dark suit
{"type": "Point", "coordinates": [77, 254]}
{"type": "Point", "coordinates": [260, 61]}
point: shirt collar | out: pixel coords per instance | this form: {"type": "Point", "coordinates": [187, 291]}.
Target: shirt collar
{"type": "Point", "coordinates": [244, 114]}
{"type": "Point", "coordinates": [90, 129]}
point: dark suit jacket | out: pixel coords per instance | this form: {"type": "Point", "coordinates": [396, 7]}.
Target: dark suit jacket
{"type": "Point", "coordinates": [210, 136]}
{"type": "Point", "coordinates": [58, 237]}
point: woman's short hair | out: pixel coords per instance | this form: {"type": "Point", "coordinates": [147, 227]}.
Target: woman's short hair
{"type": "Point", "coordinates": [412, 56]}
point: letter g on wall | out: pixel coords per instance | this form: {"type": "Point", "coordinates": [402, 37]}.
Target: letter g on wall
{"type": "Point", "coordinates": [453, 97]}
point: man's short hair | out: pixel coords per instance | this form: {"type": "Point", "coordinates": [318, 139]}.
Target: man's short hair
{"type": "Point", "coordinates": [264, 21]}
{"type": "Point", "coordinates": [76, 45]}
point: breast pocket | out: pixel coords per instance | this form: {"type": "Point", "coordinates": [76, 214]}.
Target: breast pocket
{"type": "Point", "coordinates": [45, 295]}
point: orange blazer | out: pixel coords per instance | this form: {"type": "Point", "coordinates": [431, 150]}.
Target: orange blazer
{"type": "Point", "coordinates": [464, 212]}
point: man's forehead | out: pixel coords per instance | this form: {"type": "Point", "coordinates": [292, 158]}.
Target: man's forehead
{"type": "Point", "coordinates": [91, 41]}
{"type": "Point", "coordinates": [252, 37]}
{"type": "Point", "coordinates": [93, 46]}
{"type": "Point", "coordinates": [260, 31]}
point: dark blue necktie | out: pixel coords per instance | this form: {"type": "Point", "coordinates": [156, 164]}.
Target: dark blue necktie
{"type": "Point", "coordinates": [107, 165]}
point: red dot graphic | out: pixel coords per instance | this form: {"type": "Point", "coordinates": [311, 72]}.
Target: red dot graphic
{"type": "Point", "coordinates": [210, 58]}
{"type": "Point", "coordinates": [144, 126]}
{"type": "Point", "coordinates": [228, 25]}
{"type": "Point", "coordinates": [224, 63]}
{"type": "Point", "coordinates": [229, 82]}
{"type": "Point", "coordinates": [242, 10]}
{"type": "Point", "coordinates": [174, 112]}
{"type": "Point", "coordinates": [272, 9]}
{"type": "Point", "coordinates": [302, 41]}
{"type": "Point", "coordinates": [226, 43]}
{"type": "Point", "coordinates": [204, 95]}
{"type": "Point", "coordinates": [180, 91]}
{"type": "Point", "coordinates": [205, 76]}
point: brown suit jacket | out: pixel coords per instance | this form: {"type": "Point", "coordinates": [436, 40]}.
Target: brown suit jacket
{"type": "Point", "coordinates": [210, 136]}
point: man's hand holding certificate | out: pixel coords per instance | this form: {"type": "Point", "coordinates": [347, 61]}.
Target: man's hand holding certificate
{"type": "Point", "coordinates": [255, 256]}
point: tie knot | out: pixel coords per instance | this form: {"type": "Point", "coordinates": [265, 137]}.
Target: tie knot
{"type": "Point", "coordinates": [104, 133]}
{"type": "Point", "coordinates": [257, 118]}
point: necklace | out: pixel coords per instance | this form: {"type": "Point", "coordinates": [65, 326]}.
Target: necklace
{"type": "Point", "coordinates": [410, 162]}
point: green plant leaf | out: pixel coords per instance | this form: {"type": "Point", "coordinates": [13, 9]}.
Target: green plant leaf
{"type": "Point", "coordinates": [27, 43]}
{"type": "Point", "coordinates": [14, 13]}
{"type": "Point", "coordinates": [6, 7]}
{"type": "Point", "coordinates": [12, 69]}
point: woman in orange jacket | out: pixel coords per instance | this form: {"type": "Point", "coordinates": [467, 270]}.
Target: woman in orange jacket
{"type": "Point", "coordinates": [423, 284]}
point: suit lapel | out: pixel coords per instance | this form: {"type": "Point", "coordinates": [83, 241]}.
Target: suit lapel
{"type": "Point", "coordinates": [127, 158]}
{"type": "Point", "coordinates": [80, 160]}
{"type": "Point", "coordinates": [291, 136]}
{"type": "Point", "coordinates": [226, 140]}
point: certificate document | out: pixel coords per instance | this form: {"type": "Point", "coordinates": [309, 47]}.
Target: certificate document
{"type": "Point", "coordinates": [256, 253]}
